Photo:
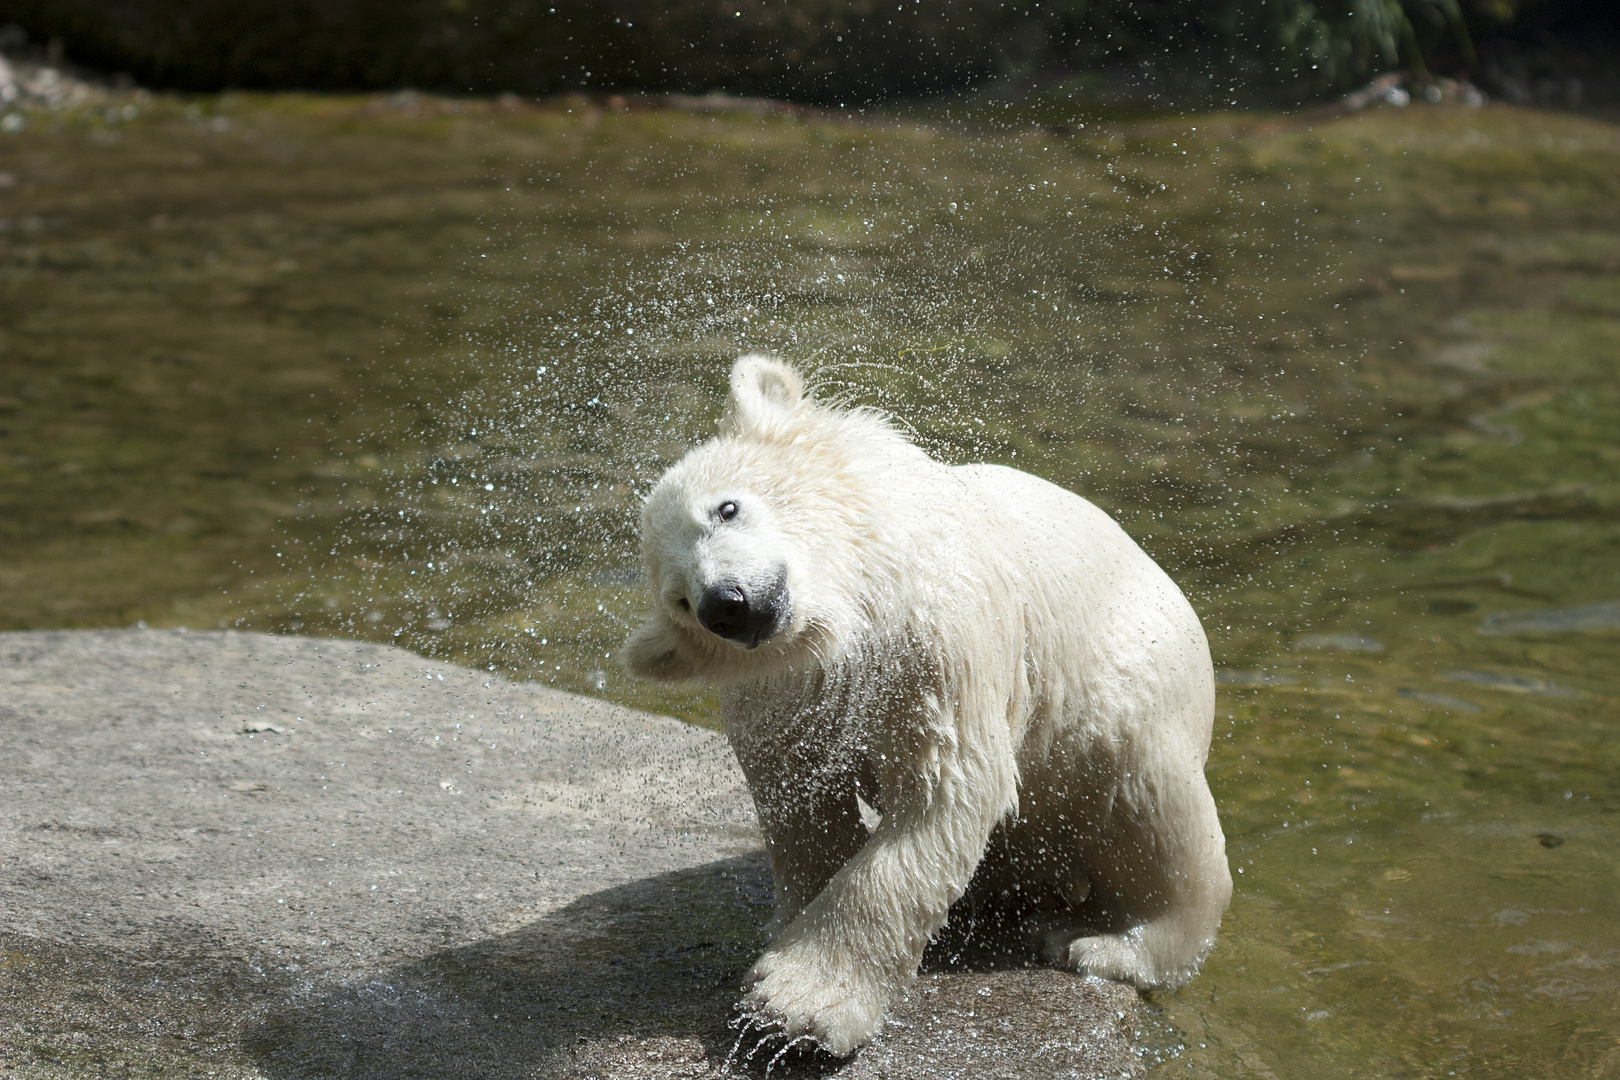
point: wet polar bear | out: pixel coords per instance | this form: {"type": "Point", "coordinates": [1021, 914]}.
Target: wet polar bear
{"type": "Point", "coordinates": [984, 658]}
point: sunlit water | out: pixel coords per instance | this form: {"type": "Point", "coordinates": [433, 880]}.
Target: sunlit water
{"type": "Point", "coordinates": [400, 370]}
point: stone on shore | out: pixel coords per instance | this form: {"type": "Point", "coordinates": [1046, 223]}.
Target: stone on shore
{"type": "Point", "coordinates": [236, 855]}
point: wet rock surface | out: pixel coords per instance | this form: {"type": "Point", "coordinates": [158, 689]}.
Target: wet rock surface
{"type": "Point", "coordinates": [238, 855]}
{"type": "Point", "coordinates": [959, 1025]}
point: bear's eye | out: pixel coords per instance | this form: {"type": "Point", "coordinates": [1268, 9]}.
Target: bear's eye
{"type": "Point", "coordinates": [727, 511]}
{"type": "Point", "coordinates": [684, 605]}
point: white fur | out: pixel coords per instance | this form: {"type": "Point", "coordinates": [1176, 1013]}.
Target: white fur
{"type": "Point", "coordinates": [986, 659]}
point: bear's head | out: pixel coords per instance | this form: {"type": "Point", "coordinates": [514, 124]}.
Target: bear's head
{"type": "Point", "coordinates": [747, 538]}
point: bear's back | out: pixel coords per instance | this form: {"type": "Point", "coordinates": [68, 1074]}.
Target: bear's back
{"type": "Point", "coordinates": [1107, 632]}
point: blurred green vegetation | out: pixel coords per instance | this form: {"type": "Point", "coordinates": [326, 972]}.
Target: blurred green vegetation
{"type": "Point", "coordinates": [827, 51]}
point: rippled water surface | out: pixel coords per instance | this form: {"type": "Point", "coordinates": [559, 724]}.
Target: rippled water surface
{"type": "Point", "coordinates": [399, 369]}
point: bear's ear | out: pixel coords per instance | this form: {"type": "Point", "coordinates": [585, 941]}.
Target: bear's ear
{"type": "Point", "coordinates": [764, 392]}
{"type": "Point", "coordinates": [654, 652]}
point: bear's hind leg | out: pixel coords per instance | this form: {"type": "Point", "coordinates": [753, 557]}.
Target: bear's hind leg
{"type": "Point", "coordinates": [1119, 957]}
{"type": "Point", "coordinates": [1068, 941]}
{"type": "Point", "coordinates": [1158, 955]}
{"type": "Point", "coordinates": [1162, 951]}
{"type": "Point", "coordinates": [1154, 928]}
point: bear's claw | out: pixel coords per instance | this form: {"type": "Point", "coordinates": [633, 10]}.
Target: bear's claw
{"type": "Point", "coordinates": [798, 1001]}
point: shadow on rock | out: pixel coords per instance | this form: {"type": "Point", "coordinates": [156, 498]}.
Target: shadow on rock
{"type": "Point", "coordinates": [640, 981]}
{"type": "Point", "coordinates": [655, 962]}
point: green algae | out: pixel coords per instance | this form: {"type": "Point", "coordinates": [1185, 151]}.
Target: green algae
{"type": "Point", "coordinates": [1347, 378]}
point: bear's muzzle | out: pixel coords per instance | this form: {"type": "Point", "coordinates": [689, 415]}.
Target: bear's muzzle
{"type": "Point", "coordinates": [732, 610]}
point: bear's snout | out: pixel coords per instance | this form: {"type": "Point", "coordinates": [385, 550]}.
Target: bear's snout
{"type": "Point", "coordinates": [747, 616]}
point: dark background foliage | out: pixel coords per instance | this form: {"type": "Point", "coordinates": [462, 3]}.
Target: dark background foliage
{"type": "Point", "coordinates": [827, 51]}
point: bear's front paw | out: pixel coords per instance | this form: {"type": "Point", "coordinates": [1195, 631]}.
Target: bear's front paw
{"type": "Point", "coordinates": [800, 994]}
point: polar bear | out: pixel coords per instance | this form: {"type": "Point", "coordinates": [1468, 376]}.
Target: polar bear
{"type": "Point", "coordinates": [983, 658]}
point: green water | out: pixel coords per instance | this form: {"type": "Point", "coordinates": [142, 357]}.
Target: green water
{"type": "Point", "coordinates": [398, 370]}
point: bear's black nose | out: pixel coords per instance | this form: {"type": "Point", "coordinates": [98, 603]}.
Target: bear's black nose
{"type": "Point", "coordinates": [732, 611]}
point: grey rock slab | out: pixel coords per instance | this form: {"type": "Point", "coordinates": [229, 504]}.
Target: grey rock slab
{"type": "Point", "coordinates": [960, 1025]}
{"type": "Point", "coordinates": [228, 854]}
{"type": "Point", "coordinates": [1005, 1025]}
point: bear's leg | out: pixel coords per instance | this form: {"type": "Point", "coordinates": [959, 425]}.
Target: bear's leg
{"type": "Point", "coordinates": [1172, 897]}
{"type": "Point", "coordinates": [832, 971]}
{"type": "Point", "coordinates": [811, 826]}
{"type": "Point", "coordinates": [1162, 954]}
{"type": "Point", "coordinates": [809, 836]}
